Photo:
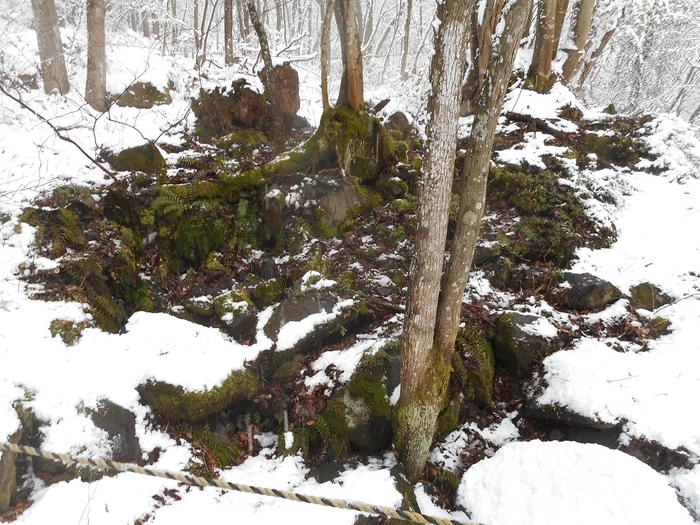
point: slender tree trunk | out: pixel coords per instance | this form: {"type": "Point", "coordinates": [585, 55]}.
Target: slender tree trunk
{"type": "Point", "coordinates": [582, 26]}
{"type": "Point", "coordinates": [424, 374]}
{"type": "Point", "coordinates": [406, 39]}
{"type": "Point", "coordinates": [325, 52]}
{"type": "Point", "coordinates": [96, 83]}
{"type": "Point", "coordinates": [590, 63]}
{"type": "Point", "coordinates": [146, 24]}
{"type": "Point", "coordinates": [352, 83]}
{"type": "Point", "coordinates": [475, 176]}
{"type": "Point", "coordinates": [541, 68]}
{"type": "Point", "coordinates": [228, 32]}
{"type": "Point", "coordinates": [562, 7]}
{"type": "Point", "coordinates": [53, 65]}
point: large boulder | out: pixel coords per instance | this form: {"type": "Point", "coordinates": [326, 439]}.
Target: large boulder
{"type": "Point", "coordinates": [584, 291]}
{"type": "Point", "coordinates": [175, 403]}
{"type": "Point", "coordinates": [521, 339]}
{"type": "Point", "coordinates": [146, 158]}
{"type": "Point", "coordinates": [648, 296]}
{"type": "Point", "coordinates": [144, 95]}
{"type": "Point", "coordinates": [359, 412]}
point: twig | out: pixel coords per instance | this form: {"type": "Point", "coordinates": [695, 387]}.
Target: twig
{"type": "Point", "coordinates": [58, 133]}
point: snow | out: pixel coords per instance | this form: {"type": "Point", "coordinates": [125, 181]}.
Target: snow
{"type": "Point", "coordinates": [653, 393]}
{"type": "Point", "coordinates": [553, 483]}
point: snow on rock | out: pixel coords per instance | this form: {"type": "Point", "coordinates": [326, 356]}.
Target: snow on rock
{"type": "Point", "coordinates": [541, 483]}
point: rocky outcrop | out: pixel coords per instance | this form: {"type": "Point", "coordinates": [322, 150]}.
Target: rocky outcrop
{"type": "Point", "coordinates": [584, 291]}
{"type": "Point", "coordinates": [520, 340]}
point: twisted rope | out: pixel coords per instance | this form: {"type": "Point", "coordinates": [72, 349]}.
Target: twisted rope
{"type": "Point", "coordinates": [191, 479]}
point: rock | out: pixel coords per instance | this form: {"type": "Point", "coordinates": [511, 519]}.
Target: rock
{"type": "Point", "coordinates": [272, 213]}
{"type": "Point", "coordinates": [516, 344]}
{"type": "Point", "coordinates": [359, 411]}
{"type": "Point", "coordinates": [202, 306]}
{"type": "Point", "coordinates": [485, 253]}
{"type": "Point", "coordinates": [269, 269]}
{"type": "Point", "coordinates": [146, 158]}
{"type": "Point", "coordinates": [77, 199]}
{"type": "Point", "coordinates": [242, 141]}
{"type": "Point", "coordinates": [501, 273]}
{"type": "Point", "coordinates": [583, 291]}
{"type": "Point", "coordinates": [300, 122]}
{"type": "Point", "coordinates": [561, 414]}
{"type": "Point", "coordinates": [237, 313]}
{"type": "Point", "coordinates": [398, 121]}
{"type": "Point", "coordinates": [339, 197]}
{"type": "Point", "coordinates": [8, 473]}
{"type": "Point", "coordinates": [648, 296]}
{"type": "Point", "coordinates": [120, 425]}
{"type": "Point", "coordinates": [144, 95]}
{"type": "Point", "coordinates": [267, 292]}
{"type": "Point", "coordinates": [175, 403]}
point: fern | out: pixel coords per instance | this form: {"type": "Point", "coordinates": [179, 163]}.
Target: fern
{"type": "Point", "coordinates": [168, 203]}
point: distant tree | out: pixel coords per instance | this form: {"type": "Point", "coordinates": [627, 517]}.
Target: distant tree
{"type": "Point", "coordinates": [53, 65]}
{"type": "Point", "coordinates": [96, 83]}
{"type": "Point", "coordinates": [434, 304]}
{"type": "Point", "coordinates": [583, 17]}
{"type": "Point", "coordinates": [228, 32]}
{"type": "Point", "coordinates": [543, 51]}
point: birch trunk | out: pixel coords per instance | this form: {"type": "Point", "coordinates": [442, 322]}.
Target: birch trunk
{"type": "Point", "coordinates": [96, 83]}
{"type": "Point", "coordinates": [53, 65]}
{"type": "Point", "coordinates": [541, 67]}
{"type": "Point", "coordinates": [475, 176]}
{"type": "Point", "coordinates": [424, 374]}
{"type": "Point", "coordinates": [325, 48]}
{"type": "Point", "coordinates": [582, 26]}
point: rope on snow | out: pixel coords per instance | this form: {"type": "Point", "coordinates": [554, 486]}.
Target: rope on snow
{"type": "Point", "coordinates": [191, 479]}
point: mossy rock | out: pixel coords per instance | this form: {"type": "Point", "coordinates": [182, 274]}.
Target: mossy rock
{"type": "Point", "coordinates": [70, 332]}
{"type": "Point", "coordinates": [273, 211]}
{"type": "Point", "coordinates": [237, 312]}
{"type": "Point", "coordinates": [175, 403]}
{"type": "Point", "coordinates": [648, 296]}
{"type": "Point", "coordinates": [78, 198]}
{"type": "Point", "coordinates": [242, 141]}
{"type": "Point", "coordinates": [625, 149]}
{"type": "Point", "coordinates": [144, 95]}
{"type": "Point", "coordinates": [359, 412]}
{"type": "Point", "coordinates": [267, 292]}
{"type": "Point", "coordinates": [475, 365]}
{"type": "Point", "coordinates": [516, 346]}
{"type": "Point", "coordinates": [146, 158]}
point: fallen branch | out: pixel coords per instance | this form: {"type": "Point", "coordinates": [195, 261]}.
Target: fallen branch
{"type": "Point", "coordinates": [58, 133]}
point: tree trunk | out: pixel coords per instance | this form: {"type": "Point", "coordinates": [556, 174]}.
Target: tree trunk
{"type": "Point", "coordinates": [406, 41]}
{"type": "Point", "coordinates": [541, 68]}
{"type": "Point", "coordinates": [562, 6]}
{"type": "Point", "coordinates": [475, 176]}
{"type": "Point", "coordinates": [352, 83]}
{"type": "Point", "coordinates": [582, 26]}
{"type": "Point", "coordinates": [96, 83]}
{"type": "Point", "coordinates": [431, 322]}
{"type": "Point", "coordinates": [53, 65]}
{"type": "Point", "coordinates": [325, 48]}
{"type": "Point", "coordinates": [228, 32]}
{"type": "Point", "coordinates": [424, 374]}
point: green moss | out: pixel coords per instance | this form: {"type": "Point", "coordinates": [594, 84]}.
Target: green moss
{"type": "Point", "coordinates": [146, 158]}
{"type": "Point", "coordinates": [232, 302]}
{"type": "Point", "coordinates": [267, 292]}
{"type": "Point", "coordinates": [225, 454]}
{"type": "Point", "coordinates": [175, 403]}
{"type": "Point", "coordinates": [242, 141]}
{"type": "Point", "coordinates": [403, 206]}
{"type": "Point", "coordinates": [69, 331]}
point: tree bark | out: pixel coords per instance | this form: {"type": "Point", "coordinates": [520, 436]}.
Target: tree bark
{"type": "Point", "coordinates": [424, 374]}
{"type": "Point", "coordinates": [325, 48]}
{"type": "Point", "coordinates": [582, 26]}
{"type": "Point", "coordinates": [228, 32]}
{"type": "Point", "coordinates": [541, 68]}
{"type": "Point", "coordinates": [352, 65]}
{"type": "Point", "coordinates": [475, 176]}
{"type": "Point", "coordinates": [562, 7]}
{"type": "Point", "coordinates": [96, 83]}
{"type": "Point", "coordinates": [53, 65]}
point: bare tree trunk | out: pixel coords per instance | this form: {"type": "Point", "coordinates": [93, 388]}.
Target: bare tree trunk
{"type": "Point", "coordinates": [146, 24]}
{"type": "Point", "coordinates": [432, 321]}
{"type": "Point", "coordinates": [351, 83]}
{"type": "Point", "coordinates": [582, 26]}
{"type": "Point", "coordinates": [96, 83]}
{"type": "Point", "coordinates": [590, 63]}
{"type": "Point", "coordinates": [228, 32]}
{"type": "Point", "coordinates": [53, 65]}
{"type": "Point", "coordinates": [482, 35]}
{"type": "Point", "coordinates": [325, 48]}
{"type": "Point", "coordinates": [424, 374]}
{"type": "Point", "coordinates": [562, 6]}
{"type": "Point", "coordinates": [541, 68]}
{"type": "Point", "coordinates": [475, 176]}
{"type": "Point", "coordinates": [406, 35]}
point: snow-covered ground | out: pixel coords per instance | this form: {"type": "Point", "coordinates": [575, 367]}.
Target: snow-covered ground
{"type": "Point", "coordinates": [655, 393]}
